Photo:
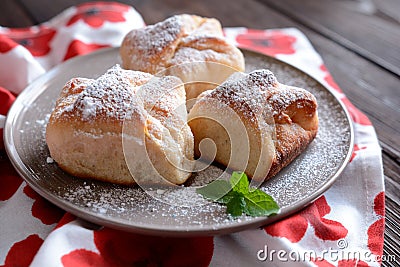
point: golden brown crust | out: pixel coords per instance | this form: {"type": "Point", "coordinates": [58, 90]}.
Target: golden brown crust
{"type": "Point", "coordinates": [292, 140]}
{"type": "Point", "coordinates": [259, 101]}
{"type": "Point", "coordinates": [86, 130]}
{"type": "Point", "coordinates": [178, 40]}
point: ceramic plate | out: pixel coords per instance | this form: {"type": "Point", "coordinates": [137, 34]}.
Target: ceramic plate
{"type": "Point", "coordinates": [130, 208]}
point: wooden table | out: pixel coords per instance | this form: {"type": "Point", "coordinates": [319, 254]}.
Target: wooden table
{"type": "Point", "coordinates": [358, 40]}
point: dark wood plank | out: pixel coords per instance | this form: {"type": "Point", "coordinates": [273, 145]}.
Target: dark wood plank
{"type": "Point", "coordinates": [43, 10]}
{"type": "Point", "coordinates": [241, 13]}
{"type": "Point", "coordinates": [369, 88]}
{"type": "Point", "coordinates": [392, 188]}
{"type": "Point", "coordinates": [13, 15]}
{"type": "Point", "coordinates": [338, 21]}
{"type": "Point", "coordinates": [389, 9]}
{"type": "Point", "coordinates": [154, 11]}
{"type": "Point", "coordinates": [391, 247]}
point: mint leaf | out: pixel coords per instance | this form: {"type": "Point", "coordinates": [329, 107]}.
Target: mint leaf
{"type": "Point", "coordinates": [236, 206]}
{"type": "Point", "coordinates": [239, 197]}
{"type": "Point", "coordinates": [215, 190]}
{"type": "Point", "coordinates": [239, 182]}
{"type": "Point", "coordinates": [259, 203]}
{"type": "Point", "coordinates": [225, 199]}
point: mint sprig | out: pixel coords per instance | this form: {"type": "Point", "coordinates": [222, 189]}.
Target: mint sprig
{"type": "Point", "coordinates": [239, 197]}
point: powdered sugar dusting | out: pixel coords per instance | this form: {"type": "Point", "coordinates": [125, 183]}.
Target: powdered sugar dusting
{"type": "Point", "coordinates": [177, 40]}
{"type": "Point", "coordinates": [88, 107]}
{"type": "Point", "coordinates": [131, 209]}
{"type": "Point", "coordinates": [108, 96]}
{"type": "Point", "coordinates": [246, 93]}
{"type": "Point", "coordinates": [260, 92]}
{"type": "Point", "coordinates": [152, 43]}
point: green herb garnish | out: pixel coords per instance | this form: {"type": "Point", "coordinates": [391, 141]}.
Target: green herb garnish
{"type": "Point", "coordinates": [239, 197]}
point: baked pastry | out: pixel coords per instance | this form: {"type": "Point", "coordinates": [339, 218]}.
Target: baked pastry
{"type": "Point", "coordinates": [122, 127]}
{"type": "Point", "coordinates": [257, 124]}
{"type": "Point", "coordinates": [190, 47]}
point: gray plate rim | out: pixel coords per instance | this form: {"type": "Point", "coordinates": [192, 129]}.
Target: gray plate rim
{"type": "Point", "coordinates": [31, 90]}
